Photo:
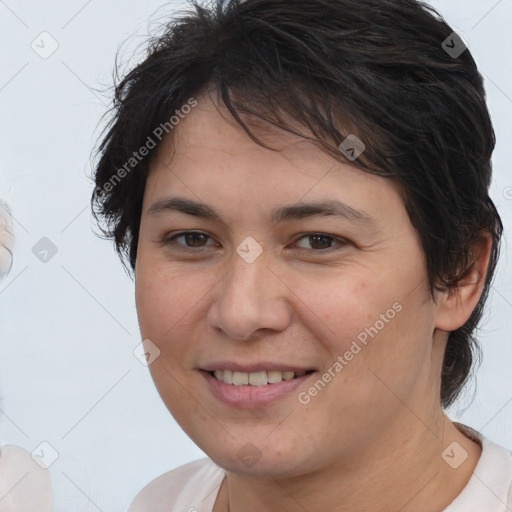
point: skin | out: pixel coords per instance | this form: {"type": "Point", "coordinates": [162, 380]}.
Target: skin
{"type": "Point", "coordinates": [372, 438]}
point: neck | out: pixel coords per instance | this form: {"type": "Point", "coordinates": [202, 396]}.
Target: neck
{"type": "Point", "coordinates": [403, 471]}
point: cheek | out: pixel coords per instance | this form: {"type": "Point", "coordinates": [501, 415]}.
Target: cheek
{"type": "Point", "coordinates": [165, 296]}
{"type": "Point", "coordinates": [167, 303]}
{"type": "Point", "coordinates": [340, 310]}
{"type": "Point", "coordinates": [377, 322]}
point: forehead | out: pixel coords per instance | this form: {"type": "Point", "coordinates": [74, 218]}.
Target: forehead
{"type": "Point", "coordinates": [208, 155]}
{"type": "Point", "coordinates": [210, 128]}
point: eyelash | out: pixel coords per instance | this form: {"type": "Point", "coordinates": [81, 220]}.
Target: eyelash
{"type": "Point", "coordinates": [170, 239]}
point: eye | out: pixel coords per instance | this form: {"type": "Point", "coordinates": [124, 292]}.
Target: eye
{"type": "Point", "coordinates": [190, 239]}
{"type": "Point", "coordinates": [311, 242]}
{"type": "Point", "coordinates": [319, 242]}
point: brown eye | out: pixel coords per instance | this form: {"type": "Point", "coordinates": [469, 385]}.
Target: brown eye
{"type": "Point", "coordinates": [318, 241]}
{"type": "Point", "coordinates": [187, 240]}
{"type": "Point", "coordinates": [195, 239]}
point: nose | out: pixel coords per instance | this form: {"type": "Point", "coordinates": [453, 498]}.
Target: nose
{"type": "Point", "coordinates": [251, 301]}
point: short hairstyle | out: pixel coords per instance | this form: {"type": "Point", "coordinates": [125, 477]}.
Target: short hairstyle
{"type": "Point", "coordinates": [377, 69]}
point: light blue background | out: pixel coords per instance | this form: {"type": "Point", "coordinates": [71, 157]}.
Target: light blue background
{"type": "Point", "coordinates": [68, 327]}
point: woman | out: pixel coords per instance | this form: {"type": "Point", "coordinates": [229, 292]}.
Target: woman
{"type": "Point", "coordinates": [301, 191]}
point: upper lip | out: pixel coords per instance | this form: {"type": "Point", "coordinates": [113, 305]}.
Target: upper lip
{"type": "Point", "coordinates": [260, 366]}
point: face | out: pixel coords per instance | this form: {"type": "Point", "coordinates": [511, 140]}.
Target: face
{"type": "Point", "coordinates": [234, 273]}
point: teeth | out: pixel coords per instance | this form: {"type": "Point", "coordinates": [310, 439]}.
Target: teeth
{"type": "Point", "coordinates": [240, 378]}
{"type": "Point", "coordinates": [258, 378]}
{"type": "Point", "coordinates": [254, 378]}
{"type": "Point", "coordinates": [227, 377]}
{"type": "Point", "coordinates": [274, 377]}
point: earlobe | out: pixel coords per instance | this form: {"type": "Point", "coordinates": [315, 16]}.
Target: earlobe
{"type": "Point", "coordinates": [456, 304]}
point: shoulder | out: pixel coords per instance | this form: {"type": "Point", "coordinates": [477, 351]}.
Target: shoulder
{"type": "Point", "coordinates": [490, 487]}
{"type": "Point", "coordinates": [180, 488]}
{"type": "Point", "coordinates": [495, 475]}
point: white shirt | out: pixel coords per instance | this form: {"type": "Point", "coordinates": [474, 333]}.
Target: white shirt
{"type": "Point", "coordinates": [194, 486]}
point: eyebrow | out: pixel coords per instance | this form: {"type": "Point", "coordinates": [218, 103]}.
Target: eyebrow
{"type": "Point", "coordinates": [285, 213]}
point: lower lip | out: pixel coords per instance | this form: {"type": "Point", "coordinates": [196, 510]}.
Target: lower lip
{"type": "Point", "coordinates": [252, 397]}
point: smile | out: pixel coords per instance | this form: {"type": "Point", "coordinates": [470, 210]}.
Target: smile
{"type": "Point", "coordinates": [261, 378]}
{"type": "Point", "coordinates": [254, 390]}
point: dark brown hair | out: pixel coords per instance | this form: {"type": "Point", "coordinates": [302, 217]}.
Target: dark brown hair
{"type": "Point", "coordinates": [378, 69]}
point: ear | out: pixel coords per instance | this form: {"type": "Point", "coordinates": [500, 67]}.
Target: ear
{"type": "Point", "coordinates": [456, 304]}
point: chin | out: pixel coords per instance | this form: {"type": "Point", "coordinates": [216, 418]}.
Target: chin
{"type": "Point", "coordinates": [261, 458]}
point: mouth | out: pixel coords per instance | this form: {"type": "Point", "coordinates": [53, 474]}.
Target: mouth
{"type": "Point", "coordinates": [255, 389]}
{"type": "Point", "coordinates": [259, 378]}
